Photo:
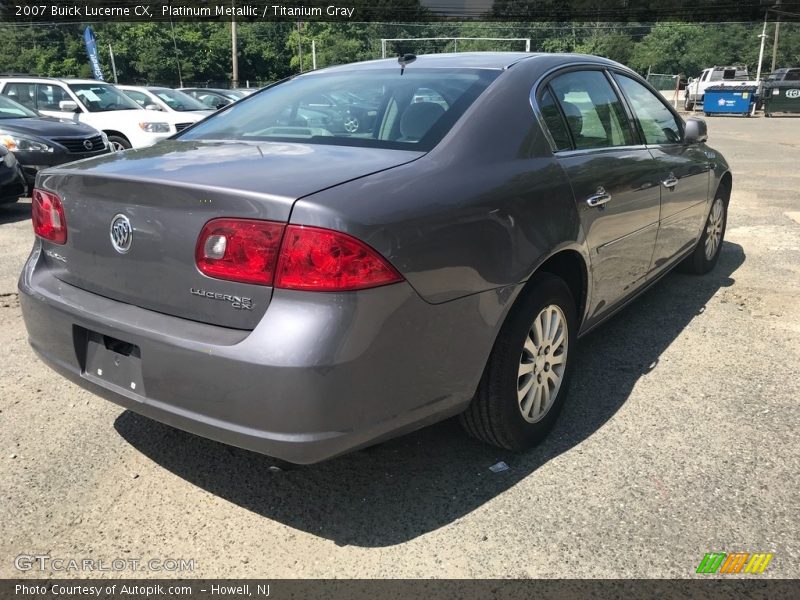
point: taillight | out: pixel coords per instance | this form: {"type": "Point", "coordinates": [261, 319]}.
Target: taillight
{"type": "Point", "coordinates": [48, 217]}
{"type": "Point", "coordinates": [307, 258]}
{"type": "Point", "coordinates": [326, 261]}
{"type": "Point", "coordinates": [239, 249]}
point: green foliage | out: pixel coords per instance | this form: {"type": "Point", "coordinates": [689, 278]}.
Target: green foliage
{"type": "Point", "coordinates": [268, 51]}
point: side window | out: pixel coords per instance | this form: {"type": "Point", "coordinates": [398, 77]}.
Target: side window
{"type": "Point", "coordinates": [48, 97]}
{"type": "Point", "coordinates": [658, 123]}
{"type": "Point", "coordinates": [554, 121]}
{"type": "Point", "coordinates": [22, 93]}
{"type": "Point", "coordinates": [138, 97]}
{"type": "Point", "coordinates": [595, 115]}
{"type": "Point", "coordinates": [793, 75]}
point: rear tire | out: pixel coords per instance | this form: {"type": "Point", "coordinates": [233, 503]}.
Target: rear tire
{"type": "Point", "coordinates": [706, 253]}
{"type": "Point", "coordinates": [534, 350]}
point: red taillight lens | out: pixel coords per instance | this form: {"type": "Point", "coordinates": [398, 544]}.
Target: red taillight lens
{"type": "Point", "coordinates": [309, 258]}
{"type": "Point", "coordinates": [48, 217]}
{"type": "Point", "coordinates": [329, 261]}
{"type": "Point", "coordinates": [239, 249]}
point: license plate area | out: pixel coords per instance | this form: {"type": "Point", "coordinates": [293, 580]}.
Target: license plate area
{"type": "Point", "coordinates": [112, 362]}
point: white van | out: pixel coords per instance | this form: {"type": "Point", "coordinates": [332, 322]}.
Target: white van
{"type": "Point", "coordinates": [98, 104]}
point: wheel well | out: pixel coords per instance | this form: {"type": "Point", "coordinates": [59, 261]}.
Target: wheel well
{"type": "Point", "coordinates": [110, 132]}
{"type": "Point", "coordinates": [726, 184]}
{"type": "Point", "coordinates": [570, 266]}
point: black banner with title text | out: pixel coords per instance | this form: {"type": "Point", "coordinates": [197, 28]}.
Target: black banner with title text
{"type": "Point", "coordinates": [80, 11]}
{"type": "Point", "coordinates": [396, 589]}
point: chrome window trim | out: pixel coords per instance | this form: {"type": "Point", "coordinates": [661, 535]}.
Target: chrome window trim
{"type": "Point", "coordinates": [543, 80]}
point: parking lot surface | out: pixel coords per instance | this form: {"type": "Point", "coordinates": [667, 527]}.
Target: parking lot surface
{"type": "Point", "coordinates": [679, 438]}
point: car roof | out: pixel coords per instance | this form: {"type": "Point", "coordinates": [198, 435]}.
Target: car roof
{"type": "Point", "coordinates": [453, 60]}
{"type": "Point", "coordinates": [37, 78]}
{"type": "Point", "coordinates": [467, 60]}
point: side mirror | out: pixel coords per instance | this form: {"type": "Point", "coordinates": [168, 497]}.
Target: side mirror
{"type": "Point", "coordinates": [695, 131]}
{"type": "Point", "coordinates": [152, 107]}
{"type": "Point", "coordinates": [68, 106]}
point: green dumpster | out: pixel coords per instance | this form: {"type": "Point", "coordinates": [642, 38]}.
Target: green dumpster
{"type": "Point", "coordinates": [781, 97]}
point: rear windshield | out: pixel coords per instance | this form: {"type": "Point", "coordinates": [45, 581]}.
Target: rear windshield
{"type": "Point", "coordinates": [369, 108]}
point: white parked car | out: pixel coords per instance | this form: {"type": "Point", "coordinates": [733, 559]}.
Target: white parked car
{"type": "Point", "coordinates": [167, 100]}
{"type": "Point", "coordinates": [96, 103]}
{"type": "Point", "coordinates": [716, 76]}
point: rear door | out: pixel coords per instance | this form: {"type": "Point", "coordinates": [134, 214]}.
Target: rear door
{"type": "Point", "coordinates": [614, 180]}
{"type": "Point", "coordinates": [684, 171]}
{"type": "Point", "coordinates": [22, 92]}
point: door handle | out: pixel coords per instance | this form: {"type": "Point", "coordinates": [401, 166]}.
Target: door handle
{"type": "Point", "coordinates": [599, 199]}
{"type": "Point", "coordinates": [670, 182]}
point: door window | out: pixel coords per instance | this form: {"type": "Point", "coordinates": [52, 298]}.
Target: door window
{"type": "Point", "coordinates": [595, 115]}
{"type": "Point", "coordinates": [555, 124]}
{"type": "Point", "coordinates": [657, 122]}
{"type": "Point", "coordinates": [48, 97]}
{"type": "Point", "coordinates": [22, 93]}
{"type": "Point", "coordinates": [138, 97]}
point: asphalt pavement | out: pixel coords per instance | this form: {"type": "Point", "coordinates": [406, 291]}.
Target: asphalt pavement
{"type": "Point", "coordinates": [679, 438]}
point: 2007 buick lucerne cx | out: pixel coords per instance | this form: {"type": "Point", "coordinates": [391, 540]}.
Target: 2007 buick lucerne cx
{"type": "Point", "coordinates": [366, 249]}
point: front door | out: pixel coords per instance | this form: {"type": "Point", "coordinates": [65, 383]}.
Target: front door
{"type": "Point", "coordinates": [684, 170]}
{"type": "Point", "coordinates": [615, 182]}
{"type": "Point", "coordinates": [49, 98]}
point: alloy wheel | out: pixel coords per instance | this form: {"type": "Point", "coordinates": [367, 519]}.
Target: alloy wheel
{"type": "Point", "coordinates": [714, 225]}
{"type": "Point", "coordinates": [542, 363]}
{"type": "Point", "coordinates": [351, 124]}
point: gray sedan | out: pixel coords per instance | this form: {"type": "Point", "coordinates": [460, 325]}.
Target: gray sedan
{"type": "Point", "coordinates": [266, 281]}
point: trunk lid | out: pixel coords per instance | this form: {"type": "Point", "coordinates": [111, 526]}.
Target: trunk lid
{"type": "Point", "coordinates": [168, 192]}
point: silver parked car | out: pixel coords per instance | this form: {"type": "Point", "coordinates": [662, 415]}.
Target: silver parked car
{"type": "Point", "coordinates": [269, 282]}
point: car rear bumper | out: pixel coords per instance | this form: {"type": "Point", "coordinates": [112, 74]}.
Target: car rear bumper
{"type": "Point", "coordinates": [320, 375]}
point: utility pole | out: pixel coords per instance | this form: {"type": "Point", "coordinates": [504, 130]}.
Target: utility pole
{"type": "Point", "coordinates": [113, 64]}
{"type": "Point", "coordinates": [234, 52]}
{"type": "Point", "coordinates": [314, 54]}
{"type": "Point", "coordinates": [777, 33]}
{"type": "Point", "coordinates": [763, 37]}
{"type": "Point", "coordinates": [175, 46]}
{"type": "Point", "coordinates": [299, 46]}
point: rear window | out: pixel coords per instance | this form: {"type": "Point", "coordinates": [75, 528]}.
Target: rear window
{"type": "Point", "coordinates": [370, 108]}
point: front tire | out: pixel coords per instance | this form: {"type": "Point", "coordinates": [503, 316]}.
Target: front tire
{"type": "Point", "coordinates": [687, 104]}
{"type": "Point", "coordinates": [525, 382]}
{"type": "Point", "coordinates": [706, 253]}
{"type": "Point", "coordinates": [118, 143]}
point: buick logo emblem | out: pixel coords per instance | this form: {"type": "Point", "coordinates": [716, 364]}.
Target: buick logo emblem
{"type": "Point", "coordinates": [88, 144]}
{"type": "Point", "coordinates": [121, 234]}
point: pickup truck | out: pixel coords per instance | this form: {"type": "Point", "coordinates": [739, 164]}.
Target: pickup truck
{"type": "Point", "coordinates": [716, 76]}
{"type": "Point", "coordinates": [785, 75]}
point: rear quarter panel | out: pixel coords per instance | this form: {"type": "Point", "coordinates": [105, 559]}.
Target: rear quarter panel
{"type": "Point", "coordinates": [480, 211]}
